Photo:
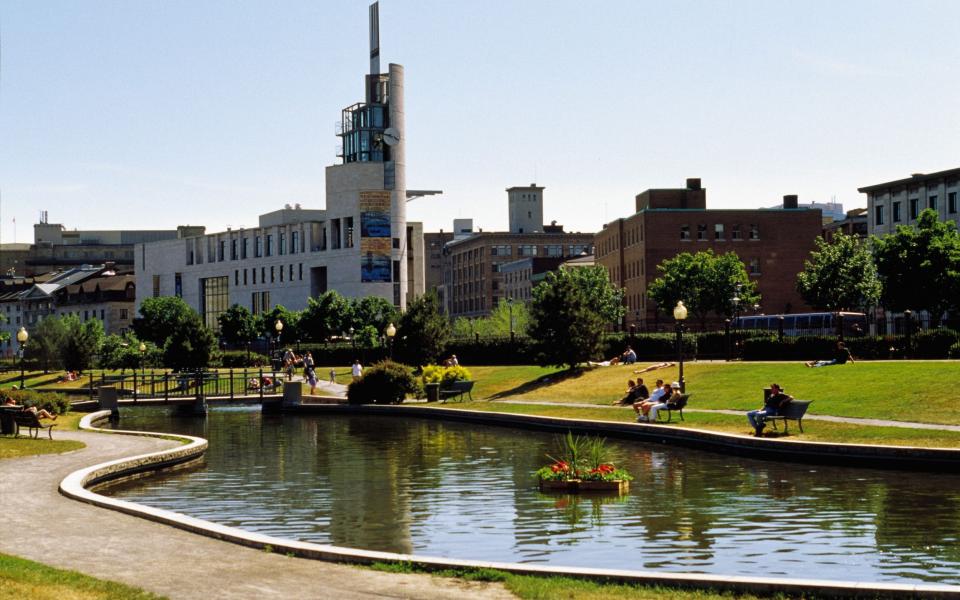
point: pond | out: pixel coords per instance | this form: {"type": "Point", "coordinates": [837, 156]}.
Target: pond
{"type": "Point", "coordinates": [466, 491]}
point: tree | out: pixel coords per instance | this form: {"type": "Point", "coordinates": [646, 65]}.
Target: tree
{"type": "Point", "coordinates": [498, 324]}
{"type": "Point", "coordinates": [423, 331]}
{"type": "Point", "coordinates": [159, 318]}
{"type": "Point", "coordinates": [120, 352]}
{"type": "Point", "coordinates": [238, 325]}
{"type": "Point", "coordinates": [372, 311]}
{"type": "Point", "coordinates": [705, 282]}
{"type": "Point", "coordinates": [289, 318]}
{"type": "Point", "coordinates": [190, 345]}
{"type": "Point", "coordinates": [45, 342]}
{"type": "Point", "coordinates": [840, 275]}
{"type": "Point", "coordinates": [81, 342]}
{"type": "Point", "coordinates": [325, 316]}
{"type": "Point", "coordinates": [571, 308]}
{"type": "Point", "coordinates": [920, 266]}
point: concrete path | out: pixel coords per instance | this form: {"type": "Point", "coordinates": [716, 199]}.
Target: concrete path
{"type": "Point", "coordinates": [807, 417]}
{"type": "Point", "coordinates": [44, 526]}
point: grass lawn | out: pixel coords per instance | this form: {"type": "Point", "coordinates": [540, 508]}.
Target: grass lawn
{"type": "Point", "coordinates": [11, 447]}
{"type": "Point", "coordinates": [21, 578]}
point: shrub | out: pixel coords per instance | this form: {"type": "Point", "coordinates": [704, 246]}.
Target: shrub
{"type": "Point", "coordinates": [934, 343]}
{"type": "Point", "coordinates": [237, 359]}
{"type": "Point", "coordinates": [955, 350]}
{"type": "Point", "coordinates": [386, 382]}
{"type": "Point", "coordinates": [51, 401]}
{"type": "Point", "coordinates": [444, 375]}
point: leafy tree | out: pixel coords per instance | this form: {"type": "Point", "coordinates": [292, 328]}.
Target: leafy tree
{"type": "Point", "coordinates": [498, 323]}
{"type": "Point", "coordinates": [120, 352]}
{"type": "Point", "coordinates": [920, 266]}
{"type": "Point", "coordinates": [81, 342]}
{"type": "Point", "coordinates": [291, 323]}
{"type": "Point", "coordinates": [372, 311]}
{"type": "Point", "coordinates": [325, 316]}
{"type": "Point", "coordinates": [159, 318]}
{"type": "Point", "coordinates": [840, 275]}
{"type": "Point", "coordinates": [706, 282]}
{"type": "Point", "coordinates": [190, 345]}
{"type": "Point", "coordinates": [423, 331]}
{"type": "Point", "coordinates": [571, 308]}
{"type": "Point", "coordinates": [238, 325]}
{"type": "Point", "coordinates": [366, 338]}
{"type": "Point", "coordinates": [45, 342]}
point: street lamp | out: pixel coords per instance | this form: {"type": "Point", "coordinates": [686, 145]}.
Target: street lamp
{"type": "Point", "coordinates": [680, 315]}
{"type": "Point", "coordinates": [22, 337]}
{"type": "Point", "coordinates": [391, 331]}
{"type": "Point", "coordinates": [143, 352]}
{"type": "Point", "coordinates": [736, 316]}
{"type": "Point", "coordinates": [279, 328]}
{"type": "Point", "coordinates": [510, 306]}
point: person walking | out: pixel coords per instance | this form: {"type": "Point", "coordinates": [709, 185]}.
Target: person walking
{"type": "Point", "coordinates": [357, 370]}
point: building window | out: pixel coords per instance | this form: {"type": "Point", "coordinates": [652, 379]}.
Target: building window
{"type": "Point", "coordinates": [932, 202]}
{"type": "Point", "coordinates": [718, 232]}
{"type": "Point", "coordinates": [244, 277]}
{"type": "Point", "coordinates": [294, 242]}
{"type": "Point", "coordinates": [257, 246]}
{"type": "Point", "coordinates": [754, 266]}
{"type": "Point", "coordinates": [334, 234]}
{"type": "Point", "coordinates": [214, 299]}
{"type": "Point", "coordinates": [282, 241]}
{"type": "Point", "coordinates": [554, 250]}
{"type": "Point", "coordinates": [178, 285]}
{"type": "Point", "coordinates": [527, 250]}
{"type": "Point", "coordinates": [300, 274]}
{"type": "Point", "coordinates": [878, 214]}
{"type": "Point", "coordinates": [156, 287]}
{"type": "Point", "coordinates": [754, 232]}
{"type": "Point", "coordinates": [221, 249]}
{"type": "Point", "coordinates": [914, 207]}
{"type": "Point", "coordinates": [896, 212]}
{"type": "Point", "coordinates": [243, 248]}
{"type": "Point", "coordinates": [348, 232]}
{"type": "Point", "coordinates": [254, 272]}
{"type": "Point", "coordinates": [735, 233]}
{"type": "Point", "coordinates": [952, 203]}
{"type": "Point", "coordinates": [236, 277]}
{"type": "Point", "coordinates": [685, 233]}
{"type": "Point", "coordinates": [124, 315]}
{"type": "Point", "coordinates": [701, 233]}
{"type": "Point", "coordinates": [271, 274]}
{"type": "Point", "coordinates": [281, 273]}
{"type": "Point", "coordinates": [233, 249]}
{"type": "Point", "coordinates": [269, 244]}
{"type": "Point", "coordinates": [290, 274]}
{"type": "Point", "coordinates": [500, 250]}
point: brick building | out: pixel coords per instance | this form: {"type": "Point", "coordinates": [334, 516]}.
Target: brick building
{"type": "Point", "coordinates": [772, 243]}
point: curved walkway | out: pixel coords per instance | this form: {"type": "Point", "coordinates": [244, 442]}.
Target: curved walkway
{"type": "Point", "coordinates": [807, 417]}
{"type": "Point", "coordinates": [54, 530]}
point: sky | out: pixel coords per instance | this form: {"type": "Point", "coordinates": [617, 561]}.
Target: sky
{"type": "Point", "coordinates": [158, 113]}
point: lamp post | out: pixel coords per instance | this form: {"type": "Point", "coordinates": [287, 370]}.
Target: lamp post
{"type": "Point", "coordinates": [736, 316]}
{"type": "Point", "coordinates": [22, 337]}
{"type": "Point", "coordinates": [680, 315]}
{"type": "Point", "coordinates": [143, 353]}
{"type": "Point", "coordinates": [391, 331]}
{"type": "Point", "coordinates": [278, 326]}
{"type": "Point", "coordinates": [907, 321]}
{"type": "Point", "coordinates": [510, 306]}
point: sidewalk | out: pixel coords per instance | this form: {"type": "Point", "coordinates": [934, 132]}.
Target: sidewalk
{"type": "Point", "coordinates": [54, 530]}
{"type": "Point", "coordinates": [807, 417]}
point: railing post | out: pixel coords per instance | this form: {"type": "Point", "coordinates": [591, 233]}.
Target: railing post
{"type": "Point", "coordinates": [135, 398]}
{"type": "Point", "coordinates": [260, 384]}
{"type": "Point", "coordinates": [166, 386]}
{"type": "Point", "coordinates": [231, 383]}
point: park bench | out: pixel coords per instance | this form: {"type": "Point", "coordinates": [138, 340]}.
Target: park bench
{"type": "Point", "coordinates": [669, 408]}
{"type": "Point", "coordinates": [793, 412]}
{"type": "Point", "coordinates": [457, 389]}
{"type": "Point", "coordinates": [31, 421]}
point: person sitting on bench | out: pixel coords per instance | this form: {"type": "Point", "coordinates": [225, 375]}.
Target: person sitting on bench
{"type": "Point", "coordinates": [643, 406]}
{"type": "Point", "coordinates": [41, 413]}
{"type": "Point", "coordinates": [672, 397]}
{"type": "Point", "coordinates": [772, 405]}
{"type": "Point", "coordinates": [635, 392]}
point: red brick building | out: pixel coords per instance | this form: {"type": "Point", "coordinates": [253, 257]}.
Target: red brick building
{"type": "Point", "coordinates": [772, 243]}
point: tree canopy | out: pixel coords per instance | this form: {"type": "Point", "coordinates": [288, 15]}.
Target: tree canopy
{"type": "Point", "coordinates": [80, 343]}
{"type": "Point", "coordinates": [920, 266]}
{"type": "Point", "coordinates": [238, 325]}
{"type": "Point", "coordinates": [706, 282]}
{"type": "Point", "coordinates": [840, 275]}
{"type": "Point", "coordinates": [325, 316]}
{"type": "Point", "coordinates": [160, 317]}
{"type": "Point", "coordinates": [371, 311]}
{"type": "Point", "coordinates": [423, 331]}
{"type": "Point", "coordinates": [45, 342]}
{"type": "Point", "coordinates": [571, 309]}
{"type": "Point", "coordinates": [498, 323]}
{"type": "Point", "coordinates": [190, 345]}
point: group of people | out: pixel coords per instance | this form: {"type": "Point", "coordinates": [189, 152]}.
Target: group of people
{"type": "Point", "coordinates": [41, 413]}
{"type": "Point", "coordinates": [665, 395]}
{"type": "Point", "coordinates": [628, 357]}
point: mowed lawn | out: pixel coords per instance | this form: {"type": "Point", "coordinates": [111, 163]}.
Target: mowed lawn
{"type": "Point", "coordinates": [919, 391]}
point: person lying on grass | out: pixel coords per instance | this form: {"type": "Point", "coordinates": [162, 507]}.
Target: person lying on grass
{"type": "Point", "coordinates": [662, 365]}
{"type": "Point", "coordinates": [841, 356]}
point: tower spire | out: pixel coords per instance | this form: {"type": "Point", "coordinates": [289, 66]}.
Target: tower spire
{"type": "Point", "coordinates": [375, 38]}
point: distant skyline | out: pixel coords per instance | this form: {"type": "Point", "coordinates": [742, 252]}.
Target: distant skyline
{"type": "Point", "coordinates": [153, 114]}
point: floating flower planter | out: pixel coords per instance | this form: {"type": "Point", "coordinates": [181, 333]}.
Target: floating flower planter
{"type": "Point", "coordinates": [578, 473]}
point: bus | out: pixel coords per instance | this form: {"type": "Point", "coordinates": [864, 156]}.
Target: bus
{"type": "Point", "coordinates": [813, 323]}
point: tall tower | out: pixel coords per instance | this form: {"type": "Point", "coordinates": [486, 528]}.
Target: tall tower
{"type": "Point", "coordinates": [368, 188]}
{"type": "Point", "coordinates": [526, 208]}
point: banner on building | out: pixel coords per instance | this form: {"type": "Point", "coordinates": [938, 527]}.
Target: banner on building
{"type": "Point", "coordinates": [375, 238]}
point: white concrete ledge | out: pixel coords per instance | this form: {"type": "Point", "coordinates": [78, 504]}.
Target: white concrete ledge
{"type": "Point", "coordinates": [75, 486]}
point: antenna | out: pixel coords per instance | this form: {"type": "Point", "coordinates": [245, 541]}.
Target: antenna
{"type": "Point", "coordinates": [375, 38]}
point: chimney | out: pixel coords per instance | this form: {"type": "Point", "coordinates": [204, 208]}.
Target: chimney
{"type": "Point", "coordinates": [693, 183]}
{"type": "Point", "coordinates": [790, 201]}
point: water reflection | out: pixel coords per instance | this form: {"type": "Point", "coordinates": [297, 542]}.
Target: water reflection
{"type": "Point", "coordinates": [466, 491]}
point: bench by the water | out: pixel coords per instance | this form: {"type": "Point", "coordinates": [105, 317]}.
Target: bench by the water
{"type": "Point", "coordinates": [793, 412]}
{"type": "Point", "coordinates": [669, 408]}
{"type": "Point", "coordinates": [457, 389]}
{"type": "Point", "coordinates": [31, 421]}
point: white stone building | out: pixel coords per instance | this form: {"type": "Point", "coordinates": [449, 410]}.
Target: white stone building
{"type": "Point", "coordinates": [900, 202]}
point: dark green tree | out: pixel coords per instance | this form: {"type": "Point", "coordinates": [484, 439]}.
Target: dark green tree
{"type": "Point", "coordinates": [190, 345]}
{"type": "Point", "coordinates": [423, 331]}
{"type": "Point", "coordinates": [81, 342]}
{"type": "Point", "coordinates": [706, 282]}
{"type": "Point", "coordinates": [291, 324]}
{"type": "Point", "coordinates": [238, 325]}
{"type": "Point", "coordinates": [159, 318]}
{"type": "Point", "coordinates": [840, 275]}
{"type": "Point", "coordinates": [120, 352]}
{"type": "Point", "coordinates": [570, 311]}
{"type": "Point", "coordinates": [45, 342]}
{"type": "Point", "coordinates": [325, 316]}
{"type": "Point", "coordinates": [372, 311]}
{"type": "Point", "coordinates": [919, 267]}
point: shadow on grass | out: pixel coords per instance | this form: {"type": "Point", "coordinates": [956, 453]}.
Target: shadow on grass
{"type": "Point", "coordinates": [540, 382]}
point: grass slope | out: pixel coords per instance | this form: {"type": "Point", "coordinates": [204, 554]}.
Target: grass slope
{"type": "Point", "coordinates": [25, 579]}
{"type": "Point", "coordinates": [11, 447]}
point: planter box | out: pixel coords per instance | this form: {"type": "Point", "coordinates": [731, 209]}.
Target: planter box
{"type": "Point", "coordinates": [576, 485]}
{"type": "Point", "coordinates": [433, 391]}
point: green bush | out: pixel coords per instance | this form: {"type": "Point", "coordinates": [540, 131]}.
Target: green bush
{"type": "Point", "coordinates": [51, 401]}
{"type": "Point", "coordinates": [955, 350]}
{"type": "Point", "coordinates": [237, 359]}
{"type": "Point", "coordinates": [444, 375]}
{"type": "Point", "coordinates": [386, 382]}
{"type": "Point", "coordinates": [934, 343]}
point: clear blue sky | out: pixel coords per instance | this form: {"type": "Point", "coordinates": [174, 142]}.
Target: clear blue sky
{"type": "Point", "coordinates": [150, 114]}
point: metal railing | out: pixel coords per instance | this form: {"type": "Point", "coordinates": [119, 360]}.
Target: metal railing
{"type": "Point", "coordinates": [229, 384]}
